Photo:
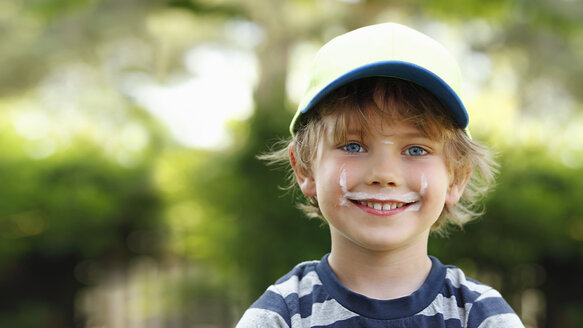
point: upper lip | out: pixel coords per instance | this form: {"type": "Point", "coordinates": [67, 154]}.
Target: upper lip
{"type": "Point", "coordinates": [410, 197]}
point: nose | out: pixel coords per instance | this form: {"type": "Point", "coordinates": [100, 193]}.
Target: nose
{"type": "Point", "coordinates": [384, 171]}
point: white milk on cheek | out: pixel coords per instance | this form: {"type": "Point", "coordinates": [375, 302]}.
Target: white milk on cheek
{"type": "Point", "coordinates": [342, 183]}
{"type": "Point", "coordinates": [424, 184]}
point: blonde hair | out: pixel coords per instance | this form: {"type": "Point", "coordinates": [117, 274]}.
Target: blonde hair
{"type": "Point", "coordinates": [394, 100]}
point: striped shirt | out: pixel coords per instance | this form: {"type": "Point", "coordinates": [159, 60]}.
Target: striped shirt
{"type": "Point", "coordinates": [311, 296]}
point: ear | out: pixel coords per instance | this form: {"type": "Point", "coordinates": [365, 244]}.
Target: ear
{"type": "Point", "coordinates": [455, 190]}
{"type": "Point", "coordinates": [305, 180]}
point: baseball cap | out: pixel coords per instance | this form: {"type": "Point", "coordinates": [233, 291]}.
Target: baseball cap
{"type": "Point", "coordinates": [390, 50]}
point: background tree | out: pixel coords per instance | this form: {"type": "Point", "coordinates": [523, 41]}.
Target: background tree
{"type": "Point", "coordinates": [92, 183]}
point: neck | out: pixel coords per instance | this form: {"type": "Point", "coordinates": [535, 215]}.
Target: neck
{"type": "Point", "coordinates": [381, 275]}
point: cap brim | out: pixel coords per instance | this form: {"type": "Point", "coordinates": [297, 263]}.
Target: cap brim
{"type": "Point", "coordinates": [396, 69]}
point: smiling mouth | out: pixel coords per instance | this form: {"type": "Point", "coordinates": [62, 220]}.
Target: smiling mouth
{"type": "Point", "coordinates": [380, 206]}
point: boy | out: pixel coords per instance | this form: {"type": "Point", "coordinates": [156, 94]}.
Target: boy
{"type": "Point", "coordinates": [381, 151]}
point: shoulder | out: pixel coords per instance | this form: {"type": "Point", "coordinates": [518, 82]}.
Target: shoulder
{"type": "Point", "coordinates": [301, 275]}
{"type": "Point", "coordinates": [276, 307]}
{"type": "Point", "coordinates": [483, 305]}
{"type": "Point", "coordinates": [261, 318]}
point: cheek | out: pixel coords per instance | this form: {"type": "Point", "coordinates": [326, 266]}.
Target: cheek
{"type": "Point", "coordinates": [430, 182]}
{"type": "Point", "coordinates": [333, 184]}
{"type": "Point", "coordinates": [327, 181]}
{"type": "Point", "coordinates": [434, 186]}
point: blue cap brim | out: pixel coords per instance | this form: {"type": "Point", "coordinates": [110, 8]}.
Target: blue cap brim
{"type": "Point", "coordinates": [402, 70]}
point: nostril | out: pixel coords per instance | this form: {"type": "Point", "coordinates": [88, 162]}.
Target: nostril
{"type": "Point", "coordinates": [387, 184]}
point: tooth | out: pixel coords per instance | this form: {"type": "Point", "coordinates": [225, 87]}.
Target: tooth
{"type": "Point", "coordinates": [387, 207]}
{"type": "Point", "coordinates": [370, 204]}
{"type": "Point", "coordinates": [378, 206]}
{"type": "Point", "coordinates": [393, 205]}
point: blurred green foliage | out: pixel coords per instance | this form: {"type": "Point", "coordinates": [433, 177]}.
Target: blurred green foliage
{"type": "Point", "coordinates": [55, 213]}
{"type": "Point", "coordinates": [116, 189]}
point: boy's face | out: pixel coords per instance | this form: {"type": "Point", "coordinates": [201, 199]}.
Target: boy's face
{"type": "Point", "coordinates": [383, 189]}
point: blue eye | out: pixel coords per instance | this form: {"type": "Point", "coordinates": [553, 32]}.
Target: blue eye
{"type": "Point", "coordinates": [353, 147]}
{"type": "Point", "coordinates": [415, 151]}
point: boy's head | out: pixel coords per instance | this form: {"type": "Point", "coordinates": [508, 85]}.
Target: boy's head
{"type": "Point", "coordinates": [365, 85]}
{"type": "Point", "coordinates": [373, 106]}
